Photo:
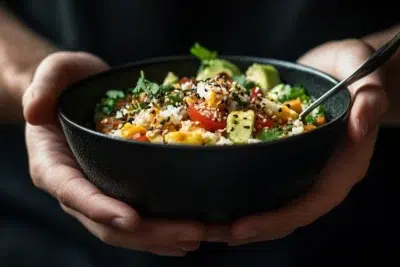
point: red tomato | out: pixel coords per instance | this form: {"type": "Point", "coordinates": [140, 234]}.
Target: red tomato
{"type": "Point", "coordinates": [142, 138]}
{"type": "Point", "coordinates": [261, 123]}
{"type": "Point", "coordinates": [256, 91]}
{"type": "Point", "coordinates": [187, 79]}
{"type": "Point", "coordinates": [205, 122]}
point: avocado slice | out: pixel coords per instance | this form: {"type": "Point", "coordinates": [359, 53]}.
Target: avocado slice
{"type": "Point", "coordinates": [170, 79]}
{"type": "Point", "coordinates": [266, 76]}
{"type": "Point", "coordinates": [240, 126]}
{"type": "Point", "coordinates": [213, 67]}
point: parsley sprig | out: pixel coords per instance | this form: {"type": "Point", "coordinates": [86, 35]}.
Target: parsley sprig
{"type": "Point", "coordinates": [270, 134]}
{"type": "Point", "coordinates": [202, 53]}
{"type": "Point", "coordinates": [152, 89]}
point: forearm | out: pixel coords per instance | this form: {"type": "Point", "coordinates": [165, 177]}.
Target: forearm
{"type": "Point", "coordinates": [21, 50]}
{"type": "Point", "coordinates": [376, 40]}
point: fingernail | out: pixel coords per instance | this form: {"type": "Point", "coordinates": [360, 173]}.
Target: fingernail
{"type": "Point", "coordinates": [189, 246]}
{"type": "Point", "coordinates": [119, 223]}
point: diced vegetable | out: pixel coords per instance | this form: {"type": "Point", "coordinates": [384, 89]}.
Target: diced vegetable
{"type": "Point", "coordinates": [240, 126]}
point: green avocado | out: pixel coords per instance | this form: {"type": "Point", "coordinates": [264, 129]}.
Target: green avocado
{"type": "Point", "coordinates": [266, 76]}
{"type": "Point", "coordinates": [170, 79]}
{"type": "Point", "coordinates": [240, 126]}
{"type": "Point", "coordinates": [213, 67]}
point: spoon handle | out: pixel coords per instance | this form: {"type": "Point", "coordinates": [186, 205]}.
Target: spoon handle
{"type": "Point", "coordinates": [380, 57]}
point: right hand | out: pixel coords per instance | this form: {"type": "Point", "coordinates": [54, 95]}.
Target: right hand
{"type": "Point", "coordinates": [54, 169]}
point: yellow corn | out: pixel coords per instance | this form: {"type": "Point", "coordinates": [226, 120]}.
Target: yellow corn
{"type": "Point", "coordinates": [130, 131]}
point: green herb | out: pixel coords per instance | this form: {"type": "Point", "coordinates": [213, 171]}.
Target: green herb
{"type": "Point", "coordinates": [106, 106]}
{"type": "Point", "coordinates": [310, 119]}
{"type": "Point", "coordinates": [175, 98]}
{"type": "Point", "coordinates": [319, 111]}
{"type": "Point", "coordinates": [270, 134]}
{"type": "Point", "coordinates": [296, 91]}
{"type": "Point", "coordinates": [243, 81]}
{"type": "Point", "coordinates": [152, 89]}
{"type": "Point", "coordinates": [115, 94]}
{"type": "Point", "coordinates": [202, 53]}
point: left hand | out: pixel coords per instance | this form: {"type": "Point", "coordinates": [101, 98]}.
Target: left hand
{"type": "Point", "coordinates": [350, 160]}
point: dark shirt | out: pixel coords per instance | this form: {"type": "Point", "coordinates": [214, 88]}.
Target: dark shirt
{"type": "Point", "coordinates": [121, 31]}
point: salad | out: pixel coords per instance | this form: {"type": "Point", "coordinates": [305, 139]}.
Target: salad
{"type": "Point", "coordinates": [220, 105]}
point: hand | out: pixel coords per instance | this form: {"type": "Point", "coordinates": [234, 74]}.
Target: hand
{"type": "Point", "coordinates": [54, 170]}
{"type": "Point", "coordinates": [351, 159]}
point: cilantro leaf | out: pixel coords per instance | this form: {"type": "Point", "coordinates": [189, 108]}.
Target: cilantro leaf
{"type": "Point", "coordinates": [202, 53]}
{"type": "Point", "coordinates": [115, 94]}
{"type": "Point", "coordinates": [310, 119]}
{"type": "Point", "coordinates": [270, 134]}
{"type": "Point", "coordinates": [154, 88]}
{"type": "Point", "coordinates": [296, 91]}
{"type": "Point", "coordinates": [175, 98]}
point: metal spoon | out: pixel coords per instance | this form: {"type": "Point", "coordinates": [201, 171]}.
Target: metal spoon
{"type": "Point", "coordinates": [378, 59]}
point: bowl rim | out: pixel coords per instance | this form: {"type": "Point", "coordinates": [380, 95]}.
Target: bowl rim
{"type": "Point", "coordinates": [155, 60]}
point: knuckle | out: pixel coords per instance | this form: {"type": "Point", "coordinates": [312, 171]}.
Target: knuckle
{"type": "Point", "coordinates": [356, 47]}
{"type": "Point", "coordinates": [61, 192]}
{"type": "Point", "coordinates": [57, 61]}
{"type": "Point", "coordinates": [92, 213]}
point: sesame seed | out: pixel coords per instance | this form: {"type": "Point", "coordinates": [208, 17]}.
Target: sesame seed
{"type": "Point", "coordinates": [246, 127]}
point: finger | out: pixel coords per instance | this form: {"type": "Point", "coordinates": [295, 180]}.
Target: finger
{"type": "Point", "coordinates": [217, 233]}
{"type": "Point", "coordinates": [260, 238]}
{"type": "Point", "coordinates": [55, 73]}
{"type": "Point", "coordinates": [53, 169]}
{"type": "Point", "coordinates": [368, 94]}
{"type": "Point", "coordinates": [163, 239]}
{"type": "Point", "coordinates": [326, 194]}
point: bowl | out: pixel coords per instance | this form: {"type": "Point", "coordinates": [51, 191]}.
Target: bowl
{"type": "Point", "coordinates": [215, 184]}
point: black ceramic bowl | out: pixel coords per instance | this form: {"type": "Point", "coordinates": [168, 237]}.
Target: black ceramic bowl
{"type": "Point", "coordinates": [211, 184]}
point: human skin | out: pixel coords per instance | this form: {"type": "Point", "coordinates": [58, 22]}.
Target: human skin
{"type": "Point", "coordinates": [29, 87]}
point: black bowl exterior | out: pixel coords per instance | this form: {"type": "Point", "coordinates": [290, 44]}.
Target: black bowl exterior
{"type": "Point", "coordinates": [211, 184]}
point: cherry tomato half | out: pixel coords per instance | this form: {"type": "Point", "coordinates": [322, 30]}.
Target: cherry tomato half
{"type": "Point", "coordinates": [207, 123]}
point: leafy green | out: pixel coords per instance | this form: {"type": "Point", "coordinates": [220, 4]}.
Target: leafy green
{"type": "Point", "coordinates": [175, 98]}
{"type": "Point", "coordinates": [149, 87]}
{"type": "Point", "coordinates": [296, 91]}
{"type": "Point", "coordinates": [243, 81]}
{"type": "Point", "coordinates": [319, 111]}
{"type": "Point", "coordinates": [270, 134]}
{"type": "Point", "coordinates": [310, 119]}
{"type": "Point", "coordinates": [115, 94]}
{"type": "Point", "coordinates": [202, 53]}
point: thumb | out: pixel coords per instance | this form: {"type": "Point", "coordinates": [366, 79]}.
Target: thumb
{"type": "Point", "coordinates": [56, 72]}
